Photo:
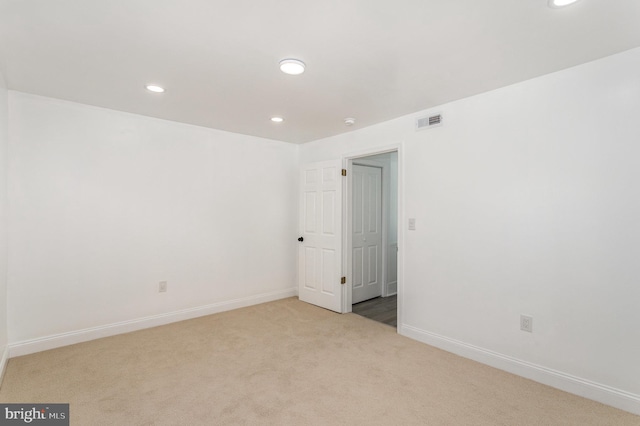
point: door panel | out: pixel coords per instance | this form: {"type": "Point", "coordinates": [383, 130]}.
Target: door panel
{"type": "Point", "coordinates": [309, 209]}
{"type": "Point", "coordinates": [320, 252]}
{"type": "Point", "coordinates": [328, 272]}
{"type": "Point", "coordinates": [358, 263]}
{"type": "Point", "coordinates": [309, 268]}
{"type": "Point", "coordinates": [373, 265]}
{"type": "Point", "coordinates": [367, 233]}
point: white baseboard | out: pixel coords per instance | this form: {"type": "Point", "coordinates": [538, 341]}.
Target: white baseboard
{"type": "Point", "coordinates": [392, 288]}
{"type": "Point", "coordinates": [64, 339]}
{"type": "Point", "coordinates": [605, 394]}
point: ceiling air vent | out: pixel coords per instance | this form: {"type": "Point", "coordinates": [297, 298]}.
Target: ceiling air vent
{"type": "Point", "coordinates": [428, 122]}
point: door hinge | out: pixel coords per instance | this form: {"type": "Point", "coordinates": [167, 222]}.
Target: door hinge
{"type": "Point", "coordinates": [344, 172]}
{"type": "Point", "coordinates": [343, 280]}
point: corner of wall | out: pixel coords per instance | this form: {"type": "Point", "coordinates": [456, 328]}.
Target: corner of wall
{"type": "Point", "coordinates": [4, 358]}
{"type": "Point", "coordinates": [84, 335]}
{"type": "Point", "coordinates": [4, 124]}
{"type": "Point", "coordinates": [575, 385]}
{"type": "Point", "coordinates": [188, 240]}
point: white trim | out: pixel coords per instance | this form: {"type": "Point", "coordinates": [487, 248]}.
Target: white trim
{"type": "Point", "coordinates": [401, 237]}
{"type": "Point", "coordinates": [578, 386]}
{"type": "Point", "coordinates": [392, 288]}
{"type": "Point", "coordinates": [3, 363]}
{"type": "Point", "coordinates": [63, 339]}
{"type": "Point", "coordinates": [372, 151]}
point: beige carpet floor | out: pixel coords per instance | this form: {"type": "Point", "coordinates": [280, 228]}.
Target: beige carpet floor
{"type": "Point", "coordinates": [285, 363]}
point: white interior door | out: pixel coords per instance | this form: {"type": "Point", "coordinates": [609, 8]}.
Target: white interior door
{"type": "Point", "coordinates": [367, 233]}
{"type": "Point", "coordinates": [320, 249]}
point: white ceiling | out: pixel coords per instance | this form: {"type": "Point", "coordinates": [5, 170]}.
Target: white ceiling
{"type": "Point", "coordinates": [369, 59]}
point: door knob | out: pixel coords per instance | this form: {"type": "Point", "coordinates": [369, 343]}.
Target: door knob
{"type": "Point", "coordinates": [301, 239]}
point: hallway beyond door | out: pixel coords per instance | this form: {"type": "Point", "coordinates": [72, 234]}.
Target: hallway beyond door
{"type": "Point", "coordinates": [381, 309]}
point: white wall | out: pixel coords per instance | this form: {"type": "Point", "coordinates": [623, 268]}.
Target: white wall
{"type": "Point", "coordinates": [105, 204]}
{"type": "Point", "coordinates": [526, 201]}
{"type": "Point", "coordinates": [4, 124]}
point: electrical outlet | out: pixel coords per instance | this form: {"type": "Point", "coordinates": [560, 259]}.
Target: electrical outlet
{"type": "Point", "coordinates": [412, 224]}
{"type": "Point", "coordinates": [526, 323]}
{"type": "Point", "coordinates": [162, 287]}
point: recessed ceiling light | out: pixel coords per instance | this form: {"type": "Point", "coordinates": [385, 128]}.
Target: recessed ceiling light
{"type": "Point", "coordinates": [349, 121]}
{"type": "Point", "coordinates": [560, 3]}
{"type": "Point", "coordinates": [292, 66]}
{"type": "Point", "coordinates": [277, 119]}
{"type": "Point", "coordinates": [154, 88]}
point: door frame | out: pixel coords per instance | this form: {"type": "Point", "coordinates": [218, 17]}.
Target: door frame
{"type": "Point", "coordinates": [347, 209]}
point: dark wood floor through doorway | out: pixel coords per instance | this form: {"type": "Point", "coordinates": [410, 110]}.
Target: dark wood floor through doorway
{"type": "Point", "coordinates": [381, 309]}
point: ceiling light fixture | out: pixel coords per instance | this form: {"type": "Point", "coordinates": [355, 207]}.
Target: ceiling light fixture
{"type": "Point", "coordinates": [556, 4]}
{"type": "Point", "coordinates": [154, 88]}
{"type": "Point", "coordinates": [349, 121]}
{"type": "Point", "coordinates": [292, 66]}
{"type": "Point", "coordinates": [277, 119]}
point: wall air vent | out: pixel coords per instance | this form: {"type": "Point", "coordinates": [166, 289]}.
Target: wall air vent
{"type": "Point", "coordinates": [428, 122]}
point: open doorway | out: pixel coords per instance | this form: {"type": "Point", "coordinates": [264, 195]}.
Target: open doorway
{"type": "Point", "coordinates": [373, 236]}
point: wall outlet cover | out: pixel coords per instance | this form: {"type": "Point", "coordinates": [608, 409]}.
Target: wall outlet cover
{"type": "Point", "coordinates": [526, 323]}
